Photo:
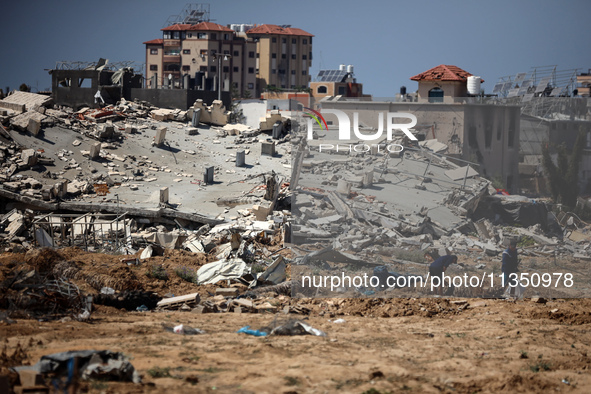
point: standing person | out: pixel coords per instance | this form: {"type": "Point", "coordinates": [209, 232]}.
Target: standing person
{"type": "Point", "coordinates": [438, 267]}
{"type": "Point", "coordinates": [510, 262]}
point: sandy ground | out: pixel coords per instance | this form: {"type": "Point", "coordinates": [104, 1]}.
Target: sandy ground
{"type": "Point", "coordinates": [384, 345]}
{"type": "Point", "coordinates": [491, 346]}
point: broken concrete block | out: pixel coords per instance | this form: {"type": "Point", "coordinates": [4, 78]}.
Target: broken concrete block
{"type": "Point", "coordinates": [261, 211]}
{"type": "Point", "coordinates": [228, 292]}
{"type": "Point", "coordinates": [196, 117]}
{"type": "Point", "coordinates": [160, 136]}
{"type": "Point", "coordinates": [95, 151]}
{"type": "Point", "coordinates": [268, 148]}
{"type": "Point", "coordinates": [240, 158]}
{"type": "Point", "coordinates": [343, 187]}
{"type": "Point", "coordinates": [192, 131]}
{"type": "Point", "coordinates": [29, 157]}
{"type": "Point", "coordinates": [129, 129]}
{"type": "Point", "coordinates": [367, 179]}
{"type": "Point", "coordinates": [34, 126]}
{"type": "Point", "coordinates": [106, 131]}
{"type": "Point", "coordinates": [30, 378]}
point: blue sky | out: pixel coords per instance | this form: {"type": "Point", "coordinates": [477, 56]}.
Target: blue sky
{"type": "Point", "coordinates": [386, 41]}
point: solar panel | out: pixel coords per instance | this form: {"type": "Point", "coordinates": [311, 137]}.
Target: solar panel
{"type": "Point", "coordinates": [526, 84]}
{"type": "Point", "coordinates": [556, 91]}
{"type": "Point", "coordinates": [527, 97]}
{"type": "Point", "coordinates": [519, 78]}
{"type": "Point", "coordinates": [543, 84]}
{"type": "Point", "coordinates": [331, 75]}
{"type": "Point", "coordinates": [498, 87]}
{"type": "Point", "coordinates": [507, 85]}
{"type": "Point", "coordinates": [513, 92]}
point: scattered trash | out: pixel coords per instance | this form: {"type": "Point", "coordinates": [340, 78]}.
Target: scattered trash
{"type": "Point", "coordinates": [248, 331]}
{"type": "Point", "coordinates": [182, 329]}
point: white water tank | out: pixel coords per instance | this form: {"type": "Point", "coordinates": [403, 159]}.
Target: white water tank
{"type": "Point", "coordinates": [342, 67]}
{"type": "Point", "coordinates": [474, 85]}
{"type": "Point", "coordinates": [350, 69]}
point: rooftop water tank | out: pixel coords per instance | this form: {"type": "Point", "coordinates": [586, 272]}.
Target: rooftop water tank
{"type": "Point", "coordinates": [350, 69]}
{"type": "Point", "coordinates": [474, 85]}
{"type": "Point", "coordinates": [342, 67]}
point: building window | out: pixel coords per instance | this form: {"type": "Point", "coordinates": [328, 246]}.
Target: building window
{"type": "Point", "coordinates": [186, 68]}
{"type": "Point", "coordinates": [304, 57]}
{"type": "Point", "coordinates": [203, 52]}
{"type": "Point", "coordinates": [284, 56]}
{"type": "Point", "coordinates": [294, 41]}
{"type": "Point", "coordinates": [293, 86]}
{"type": "Point", "coordinates": [235, 69]}
{"type": "Point", "coordinates": [294, 57]}
{"type": "Point", "coordinates": [153, 51]}
{"type": "Point", "coordinates": [251, 70]}
{"type": "Point", "coordinates": [273, 56]}
{"type": "Point", "coordinates": [213, 52]}
{"type": "Point", "coordinates": [310, 55]}
{"type": "Point", "coordinates": [304, 72]}
{"type": "Point", "coordinates": [436, 95]}
{"type": "Point", "coordinates": [226, 52]}
{"type": "Point", "coordinates": [226, 36]}
{"type": "Point", "coordinates": [322, 89]}
{"type": "Point", "coordinates": [251, 54]}
{"type": "Point", "coordinates": [212, 69]}
{"type": "Point", "coordinates": [284, 40]}
{"type": "Point", "coordinates": [274, 39]}
{"type": "Point", "coordinates": [190, 35]}
{"type": "Point", "coordinates": [273, 71]}
{"type": "Point", "coordinates": [202, 36]}
{"type": "Point", "coordinates": [293, 72]}
{"type": "Point", "coordinates": [281, 72]}
{"type": "Point", "coordinates": [214, 36]}
{"type": "Point", "coordinates": [203, 69]}
{"type": "Point", "coordinates": [236, 53]}
{"type": "Point", "coordinates": [305, 41]}
{"type": "Point", "coordinates": [226, 69]}
{"type": "Point", "coordinates": [176, 35]}
{"type": "Point", "coordinates": [186, 51]}
{"type": "Point", "coordinates": [166, 35]}
{"type": "Point", "coordinates": [183, 35]}
{"type": "Point", "coordinates": [342, 90]}
{"type": "Point", "coordinates": [251, 85]}
{"type": "Point", "coordinates": [153, 67]}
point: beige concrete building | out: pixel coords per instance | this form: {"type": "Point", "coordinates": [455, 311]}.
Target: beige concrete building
{"type": "Point", "coordinates": [442, 84]}
{"type": "Point", "coordinates": [284, 56]}
{"type": "Point", "coordinates": [198, 56]}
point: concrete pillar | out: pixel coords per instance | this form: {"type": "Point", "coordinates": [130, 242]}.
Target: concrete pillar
{"type": "Point", "coordinates": [186, 79]}
{"type": "Point", "coordinates": [374, 148]}
{"type": "Point", "coordinates": [129, 129]}
{"type": "Point", "coordinates": [155, 81]}
{"type": "Point", "coordinates": [268, 148]}
{"type": "Point", "coordinates": [164, 195]}
{"type": "Point", "coordinates": [208, 175]}
{"type": "Point", "coordinates": [343, 187]}
{"type": "Point", "coordinates": [196, 117]}
{"type": "Point", "coordinates": [368, 179]}
{"type": "Point", "coordinates": [34, 126]}
{"type": "Point", "coordinates": [240, 158]}
{"type": "Point", "coordinates": [277, 130]}
{"type": "Point", "coordinates": [160, 136]}
{"type": "Point", "coordinates": [192, 131]}
{"type": "Point", "coordinates": [95, 150]}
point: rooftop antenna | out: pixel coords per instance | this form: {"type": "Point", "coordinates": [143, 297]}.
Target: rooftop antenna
{"type": "Point", "coordinates": [191, 14]}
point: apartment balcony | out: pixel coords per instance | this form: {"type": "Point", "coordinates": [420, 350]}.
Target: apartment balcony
{"type": "Point", "coordinates": [171, 58]}
{"type": "Point", "coordinates": [171, 43]}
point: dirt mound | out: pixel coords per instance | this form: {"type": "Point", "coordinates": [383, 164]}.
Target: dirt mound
{"type": "Point", "coordinates": [42, 260]}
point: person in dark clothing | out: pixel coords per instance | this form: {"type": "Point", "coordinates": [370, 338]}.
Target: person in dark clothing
{"type": "Point", "coordinates": [438, 267]}
{"type": "Point", "coordinates": [510, 262]}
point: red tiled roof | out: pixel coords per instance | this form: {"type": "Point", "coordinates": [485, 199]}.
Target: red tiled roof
{"type": "Point", "coordinates": [274, 29]}
{"type": "Point", "coordinates": [177, 26]}
{"type": "Point", "coordinates": [209, 26]}
{"type": "Point", "coordinates": [156, 41]}
{"type": "Point", "coordinates": [443, 73]}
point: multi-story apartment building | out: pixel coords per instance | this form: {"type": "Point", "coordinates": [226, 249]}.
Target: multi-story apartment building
{"type": "Point", "coordinates": [199, 55]}
{"type": "Point", "coordinates": [284, 56]}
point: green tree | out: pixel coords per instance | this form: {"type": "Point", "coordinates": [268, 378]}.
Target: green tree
{"type": "Point", "coordinates": [563, 177]}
